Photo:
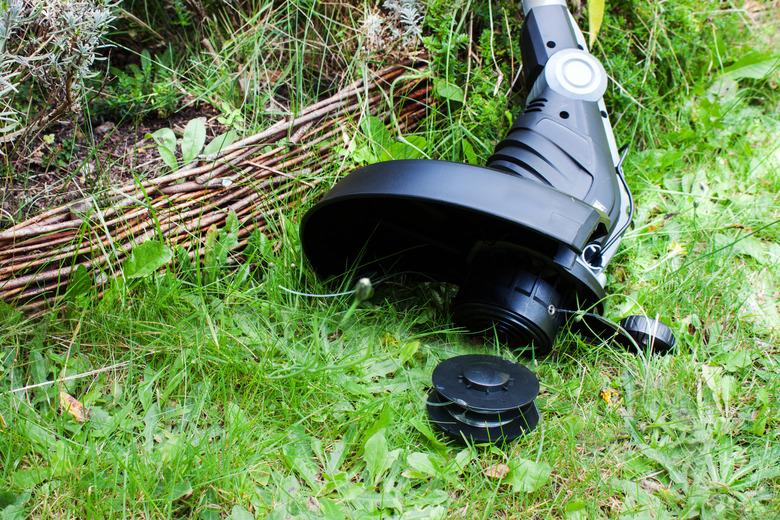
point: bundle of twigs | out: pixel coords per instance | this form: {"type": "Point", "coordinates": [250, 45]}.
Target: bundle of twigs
{"type": "Point", "coordinates": [254, 178]}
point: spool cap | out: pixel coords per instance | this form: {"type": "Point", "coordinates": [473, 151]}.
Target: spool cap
{"type": "Point", "coordinates": [648, 333]}
{"type": "Point", "coordinates": [483, 398]}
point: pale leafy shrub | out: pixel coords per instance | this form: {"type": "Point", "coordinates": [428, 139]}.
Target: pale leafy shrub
{"type": "Point", "coordinates": [407, 17]}
{"type": "Point", "coordinates": [395, 31]}
{"type": "Point", "coordinates": [48, 49]}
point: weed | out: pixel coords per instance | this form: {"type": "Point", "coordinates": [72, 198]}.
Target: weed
{"type": "Point", "coordinates": [140, 90]}
{"type": "Point", "coordinates": [191, 145]}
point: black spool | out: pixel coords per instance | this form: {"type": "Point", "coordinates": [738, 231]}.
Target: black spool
{"type": "Point", "coordinates": [518, 305]}
{"type": "Point", "coordinates": [482, 398]}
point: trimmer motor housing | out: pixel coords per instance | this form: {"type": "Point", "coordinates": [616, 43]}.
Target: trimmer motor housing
{"type": "Point", "coordinates": [526, 235]}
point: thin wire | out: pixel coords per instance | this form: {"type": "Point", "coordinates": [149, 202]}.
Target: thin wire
{"type": "Point", "coordinates": [622, 176]}
{"type": "Point", "coordinates": [353, 291]}
{"type": "Point", "coordinates": [314, 295]}
{"type": "Point", "coordinates": [615, 326]}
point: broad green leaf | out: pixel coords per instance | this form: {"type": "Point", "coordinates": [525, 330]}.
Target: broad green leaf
{"type": "Point", "coordinates": [220, 142]}
{"type": "Point", "coordinates": [422, 464]}
{"type": "Point", "coordinates": [576, 510]}
{"type": "Point", "coordinates": [240, 513]}
{"type": "Point", "coordinates": [364, 155]}
{"type": "Point", "coordinates": [398, 150]}
{"type": "Point", "coordinates": [595, 17]}
{"type": "Point", "coordinates": [756, 248]}
{"type": "Point", "coordinates": [165, 140]}
{"type": "Point", "coordinates": [527, 476]}
{"type": "Point", "coordinates": [468, 152]}
{"type": "Point", "coordinates": [376, 130]}
{"type": "Point", "coordinates": [424, 428]}
{"type": "Point", "coordinates": [734, 361]}
{"type": "Point", "coordinates": [219, 243]}
{"type": "Point", "coordinates": [12, 505]}
{"type": "Point", "coordinates": [235, 418]}
{"type": "Point", "coordinates": [259, 245]}
{"type": "Point", "coordinates": [40, 366]}
{"type": "Point", "coordinates": [378, 135]}
{"type": "Point", "coordinates": [385, 419]}
{"type": "Point", "coordinates": [637, 502]}
{"type": "Point", "coordinates": [193, 140]}
{"type": "Point", "coordinates": [448, 90]}
{"type": "Point", "coordinates": [759, 423]}
{"type": "Point", "coordinates": [299, 456]}
{"type": "Point", "coordinates": [28, 478]}
{"type": "Point", "coordinates": [758, 308]}
{"type": "Point", "coordinates": [146, 258]}
{"type": "Point", "coordinates": [331, 510]}
{"type": "Point", "coordinates": [723, 90]}
{"type": "Point", "coordinates": [376, 456]}
{"type": "Point", "coordinates": [464, 458]}
{"type": "Point", "coordinates": [677, 473]}
{"type": "Point", "coordinates": [408, 350]}
{"type": "Point", "coordinates": [381, 368]}
{"type": "Point", "coordinates": [151, 421]}
{"type": "Point", "coordinates": [417, 142]}
{"type": "Point", "coordinates": [723, 387]}
{"type": "Point", "coordinates": [426, 513]}
{"type": "Point", "coordinates": [146, 63]}
{"type": "Point", "coordinates": [181, 489]}
{"type": "Point", "coordinates": [755, 65]}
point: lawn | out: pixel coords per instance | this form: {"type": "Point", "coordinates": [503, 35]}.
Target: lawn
{"type": "Point", "coordinates": [215, 389]}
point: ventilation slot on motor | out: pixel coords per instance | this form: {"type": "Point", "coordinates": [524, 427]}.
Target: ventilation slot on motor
{"type": "Point", "coordinates": [536, 105]}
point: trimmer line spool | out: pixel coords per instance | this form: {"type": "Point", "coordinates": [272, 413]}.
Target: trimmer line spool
{"type": "Point", "coordinates": [482, 398]}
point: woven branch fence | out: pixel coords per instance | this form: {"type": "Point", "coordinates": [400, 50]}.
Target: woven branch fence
{"type": "Point", "coordinates": [255, 178]}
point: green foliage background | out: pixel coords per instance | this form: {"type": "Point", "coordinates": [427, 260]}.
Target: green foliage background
{"type": "Point", "coordinates": [229, 397]}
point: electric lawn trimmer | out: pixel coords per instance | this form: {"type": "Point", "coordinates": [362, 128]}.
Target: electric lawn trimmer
{"type": "Point", "coordinates": [527, 238]}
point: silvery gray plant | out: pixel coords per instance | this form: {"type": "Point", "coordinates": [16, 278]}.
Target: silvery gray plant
{"type": "Point", "coordinates": [395, 29]}
{"type": "Point", "coordinates": [51, 47]}
{"type": "Point", "coordinates": [408, 15]}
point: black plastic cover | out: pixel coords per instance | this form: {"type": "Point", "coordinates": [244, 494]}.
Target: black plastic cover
{"type": "Point", "coordinates": [428, 216]}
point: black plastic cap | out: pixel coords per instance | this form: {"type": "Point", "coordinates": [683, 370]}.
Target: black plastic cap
{"type": "Point", "coordinates": [483, 398]}
{"type": "Point", "coordinates": [648, 333]}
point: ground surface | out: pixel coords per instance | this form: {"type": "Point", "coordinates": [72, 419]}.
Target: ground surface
{"type": "Point", "coordinates": [69, 164]}
{"type": "Point", "coordinates": [228, 396]}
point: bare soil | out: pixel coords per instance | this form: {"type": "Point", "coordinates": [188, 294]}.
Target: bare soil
{"type": "Point", "coordinates": [69, 164]}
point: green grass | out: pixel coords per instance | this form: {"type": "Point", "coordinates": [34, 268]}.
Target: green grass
{"type": "Point", "coordinates": [230, 396]}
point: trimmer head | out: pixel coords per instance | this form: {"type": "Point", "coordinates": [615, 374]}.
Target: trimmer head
{"type": "Point", "coordinates": [513, 245]}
